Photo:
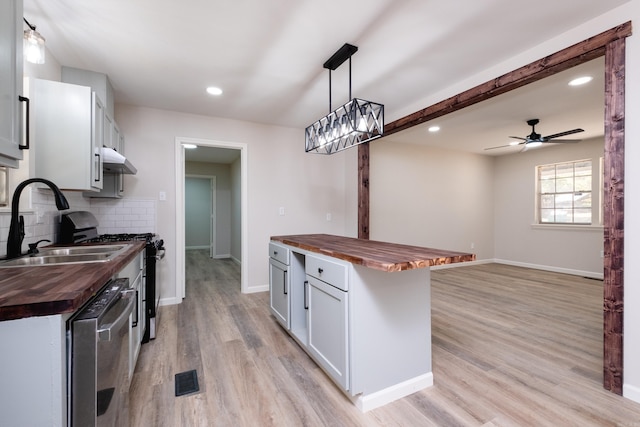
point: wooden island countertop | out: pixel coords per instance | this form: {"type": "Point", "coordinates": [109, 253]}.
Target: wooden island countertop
{"type": "Point", "coordinates": [373, 254]}
{"type": "Point", "coordinates": [56, 289]}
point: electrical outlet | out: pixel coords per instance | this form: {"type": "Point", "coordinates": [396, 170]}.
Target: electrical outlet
{"type": "Point", "coordinates": [473, 245]}
{"type": "Point", "coordinates": [281, 211]}
{"type": "Point", "coordinates": [328, 217]}
{"type": "Point", "coordinates": [39, 217]}
{"type": "Point", "coordinates": [162, 195]}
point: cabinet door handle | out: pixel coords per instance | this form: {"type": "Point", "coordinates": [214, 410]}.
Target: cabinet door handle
{"type": "Point", "coordinates": [284, 283]}
{"type": "Point", "coordinates": [275, 252]}
{"type": "Point", "coordinates": [306, 298]}
{"type": "Point", "coordinates": [320, 271]}
{"type": "Point", "coordinates": [134, 323]}
{"type": "Point", "coordinates": [27, 138]}
{"type": "Point", "coordinates": [97, 168]}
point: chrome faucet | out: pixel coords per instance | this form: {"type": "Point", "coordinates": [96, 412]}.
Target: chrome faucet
{"type": "Point", "coordinates": [16, 229]}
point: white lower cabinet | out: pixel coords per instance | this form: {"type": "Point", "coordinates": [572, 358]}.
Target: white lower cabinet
{"type": "Point", "coordinates": [134, 272]}
{"type": "Point", "coordinates": [308, 297]}
{"type": "Point", "coordinates": [279, 284]}
{"type": "Point", "coordinates": [279, 294]}
{"type": "Point", "coordinates": [327, 326]}
{"type": "Point", "coordinates": [369, 330]}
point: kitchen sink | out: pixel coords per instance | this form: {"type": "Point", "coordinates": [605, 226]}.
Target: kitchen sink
{"type": "Point", "coordinates": [81, 250]}
{"type": "Point", "coordinates": [67, 255]}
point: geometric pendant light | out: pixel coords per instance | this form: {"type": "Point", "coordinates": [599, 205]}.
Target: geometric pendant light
{"type": "Point", "coordinates": [351, 124]}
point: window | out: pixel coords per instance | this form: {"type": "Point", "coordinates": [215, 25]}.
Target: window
{"type": "Point", "coordinates": [564, 193]}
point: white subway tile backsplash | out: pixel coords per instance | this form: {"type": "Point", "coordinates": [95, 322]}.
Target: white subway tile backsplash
{"type": "Point", "coordinates": [127, 215]}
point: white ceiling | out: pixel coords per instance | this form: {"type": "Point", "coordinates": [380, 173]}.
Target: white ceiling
{"type": "Point", "coordinates": [558, 106]}
{"type": "Point", "coordinates": [267, 56]}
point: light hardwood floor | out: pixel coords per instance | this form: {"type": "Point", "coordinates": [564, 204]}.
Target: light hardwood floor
{"type": "Point", "coordinates": [511, 347]}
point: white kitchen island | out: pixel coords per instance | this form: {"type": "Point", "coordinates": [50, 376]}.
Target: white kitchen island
{"type": "Point", "coordinates": [360, 309]}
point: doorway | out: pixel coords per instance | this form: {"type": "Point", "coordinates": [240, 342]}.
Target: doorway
{"type": "Point", "coordinates": [200, 213]}
{"type": "Point", "coordinates": [211, 151]}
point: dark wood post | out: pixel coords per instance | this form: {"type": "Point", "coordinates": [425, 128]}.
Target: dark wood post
{"type": "Point", "coordinates": [363, 191]}
{"type": "Point", "coordinates": [614, 91]}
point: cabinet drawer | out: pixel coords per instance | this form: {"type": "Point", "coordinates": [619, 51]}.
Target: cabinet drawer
{"type": "Point", "coordinates": [328, 271]}
{"type": "Point", "coordinates": [279, 252]}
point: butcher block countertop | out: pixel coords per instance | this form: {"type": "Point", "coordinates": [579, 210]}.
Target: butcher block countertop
{"type": "Point", "coordinates": [370, 253]}
{"type": "Point", "coordinates": [56, 289]}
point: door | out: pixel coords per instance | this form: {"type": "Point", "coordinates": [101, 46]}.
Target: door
{"type": "Point", "coordinates": [10, 82]}
{"type": "Point", "coordinates": [327, 323]}
{"type": "Point", "coordinates": [97, 141]}
{"type": "Point", "coordinates": [279, 299]}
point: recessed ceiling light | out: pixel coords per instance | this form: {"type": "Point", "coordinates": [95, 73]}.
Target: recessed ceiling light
{"type": "Point", "coordinates": [580, 81]}
{"type": "Point", "coordinates": [189, 146]}
{"type": "Point", "coordinates": [434, 128]}
{"type": "Point", "coordinates": [212, 90]}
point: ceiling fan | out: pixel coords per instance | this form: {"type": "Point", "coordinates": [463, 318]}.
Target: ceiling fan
{"type": "Point", "coordinates": [534, 139]}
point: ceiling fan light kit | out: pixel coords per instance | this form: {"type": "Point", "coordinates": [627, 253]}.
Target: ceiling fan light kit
{"type": "Point", "coordinates": [353, 123]}
{"type": "Point", "coordinates": [534, 139]}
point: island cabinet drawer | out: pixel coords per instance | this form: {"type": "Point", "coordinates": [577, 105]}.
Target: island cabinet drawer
{"type": "Point", "coordinates": [329, 272]}
{"type": "Point", "coordinates": [279, 253]}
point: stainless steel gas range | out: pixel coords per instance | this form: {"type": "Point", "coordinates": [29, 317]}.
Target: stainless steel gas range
{"type": "Point", "coordinates": [82, 227]}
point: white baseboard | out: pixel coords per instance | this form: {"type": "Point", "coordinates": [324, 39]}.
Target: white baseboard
{"type": "Point", "coordinates": [390, 394]}
{"type": "Point", "coordinates": [170, 301]}
{"type": "Point", "coordinates": [236, 260]}
{"type": "Point", "coordinates": [631, 392]}
{"type": "Point", "coordinates": [223, 256]}
{"type": "Point", "coordinates": [590, 274]}
{"type": "Point", "coordinates": [462, 264]}
{"type": "Point", "coordinates": [582, 273]}
{"type": "Point", "coordinates": [256, 289]}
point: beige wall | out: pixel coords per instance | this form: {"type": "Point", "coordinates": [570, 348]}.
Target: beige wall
{"type": "Point", "coordinates": [280, 174]}
{"type": "Point", "coordinates": [574, 250]}
{"type": "Point", "coordinates": [432, 197]}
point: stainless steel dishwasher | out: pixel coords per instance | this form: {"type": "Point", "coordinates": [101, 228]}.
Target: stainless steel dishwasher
{"type": "Point", "coordinates": [99, 358]}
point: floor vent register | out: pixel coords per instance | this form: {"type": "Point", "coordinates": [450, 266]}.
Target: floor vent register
{"type": "Point", "coordinates": [187, 383]}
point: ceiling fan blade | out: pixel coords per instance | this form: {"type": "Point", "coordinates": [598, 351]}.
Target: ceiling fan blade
{"type": "Point", "coordinates": [557, 135]}
{"type": "Point", "coordinates": [556, 141]}
{"type": "Point", "coordinates": [504, 146]}
{"type": "Point", "coordinates": [517, 137]}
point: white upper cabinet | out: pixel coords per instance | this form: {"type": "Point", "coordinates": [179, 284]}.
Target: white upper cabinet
{"type": "Point", "coordinates": [11, 107]}
{"type": "Point", "coordinates": [68, 134]}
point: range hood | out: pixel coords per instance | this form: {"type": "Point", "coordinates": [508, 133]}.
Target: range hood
{"type": "Point", "coordinates": [114, 162]}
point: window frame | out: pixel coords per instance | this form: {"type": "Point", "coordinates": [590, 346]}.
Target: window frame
{"type": "Point", "coordinates": [595, 217]}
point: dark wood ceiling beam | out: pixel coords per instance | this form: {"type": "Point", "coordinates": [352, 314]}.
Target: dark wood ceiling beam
{"type": "Point", "coordinates": [563, 60]}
